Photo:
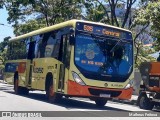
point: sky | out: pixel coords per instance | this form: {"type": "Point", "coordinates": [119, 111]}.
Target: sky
{"type": "Point", "coordinates": [6, 29]}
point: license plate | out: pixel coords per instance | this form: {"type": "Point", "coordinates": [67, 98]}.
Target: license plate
{"type": "Point", "coordinates": [105, 95]}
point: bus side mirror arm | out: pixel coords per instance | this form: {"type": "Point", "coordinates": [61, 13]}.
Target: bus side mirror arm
{"type": "Point", "coordinates": [71, 40]}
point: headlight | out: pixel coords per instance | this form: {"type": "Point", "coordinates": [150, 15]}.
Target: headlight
{"type": "Point", "coordinates": [77, 78]}
{"type": "Point", "coordinates": [129, 85]}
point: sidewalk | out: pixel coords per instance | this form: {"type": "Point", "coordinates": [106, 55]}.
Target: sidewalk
{"type": "Point", "coordinates": [132, 101]}
{"type": "Point", "coordinates": [2, 81]}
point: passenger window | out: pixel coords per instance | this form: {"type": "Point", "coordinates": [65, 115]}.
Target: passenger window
{"type": "Point", "coordinates": [51, 42]}
{"type": "Point", "coordinates": [38, 40]}
{"type": "Point", "coordinates": [10, 67]}
{"type": "Point", "coordinates": [17, 49]}
{"type": "Point", "coordinates": [55, 52]}
{"type": "Point", "coordinates": [48, 44]}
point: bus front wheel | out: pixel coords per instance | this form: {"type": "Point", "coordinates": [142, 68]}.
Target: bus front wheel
{"type": "Point", "coordinates": [52, 96]}
{"type": "Point", "coordinates": [100, 102]}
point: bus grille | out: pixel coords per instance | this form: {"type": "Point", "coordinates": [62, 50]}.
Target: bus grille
{"type": "Point", "coordinates": [97, 92]}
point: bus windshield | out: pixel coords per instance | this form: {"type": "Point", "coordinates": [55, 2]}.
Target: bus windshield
{"type": "Point", "coordinates": [103, 58]}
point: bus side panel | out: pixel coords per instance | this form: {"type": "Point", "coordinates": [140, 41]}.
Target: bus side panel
{"type": "Point", "coordinates": [66, 81]}
{"type": "Point", "coordinates": [16, 65]}
{"type": "Point", "coordinates": [22, 73]}
{"type": "Point", "coordinates": [41, 67]}
{"type": "Point", "coordinates": [8, 77]}
{"type": "Point", "coordinates": [9, 71]}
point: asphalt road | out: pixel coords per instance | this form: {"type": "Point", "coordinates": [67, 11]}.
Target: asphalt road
{"type": "Point", "coordinates": [36, 101]}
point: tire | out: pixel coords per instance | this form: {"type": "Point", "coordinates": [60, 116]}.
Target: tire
{"type": "Point", "coordinates": [16, 87]}
{"type": "Point", "coordinates": [52, 97]}
{"type": "Point", "coordinates": [144, 102]}
{"type": "Point", "coordinates": [19, 90]}
{"type": "Point", "coordinates": [24, 91]}
{"type": "Point", "coordinates": [100, 102]}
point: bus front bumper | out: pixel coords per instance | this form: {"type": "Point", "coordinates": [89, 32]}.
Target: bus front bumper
{"type": "Point", "coordinates": [74, 89]}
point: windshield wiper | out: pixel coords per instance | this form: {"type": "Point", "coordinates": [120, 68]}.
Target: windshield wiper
{"type": "Point", "coordinates": [115, 45]}
{"type": "Point", "coordinates": [106, 75]}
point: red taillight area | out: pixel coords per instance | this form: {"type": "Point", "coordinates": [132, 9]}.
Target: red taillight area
{"type": "Point", "coordinates": [21, 67]}
{"type": "Point", "coordinates": [74, 89]}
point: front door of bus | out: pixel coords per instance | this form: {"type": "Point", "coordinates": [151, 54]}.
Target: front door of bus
{"type": "Point", "coordinates": [65, 58]}
{"type": "Point", "coordinates": [31, 55]}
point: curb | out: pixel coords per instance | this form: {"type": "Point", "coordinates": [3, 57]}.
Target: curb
{"type": "Point", "coordinates": [2, 81]}
{"type": "Point", "coordinates": [129, 102]}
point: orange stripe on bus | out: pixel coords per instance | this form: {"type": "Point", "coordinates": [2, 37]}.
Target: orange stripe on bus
{"type": "Point", "coordinates": [79, 90]}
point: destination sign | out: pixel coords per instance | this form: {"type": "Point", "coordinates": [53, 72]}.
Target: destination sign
{"type": "Point", "coordinates": [103, 30]}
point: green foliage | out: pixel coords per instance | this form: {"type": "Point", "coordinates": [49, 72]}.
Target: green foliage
{"type": "Point", "coordinates": [1, 3]}
{"type": "Point", "coordinates": [17, 50]}
{"type": "Point", "coordinates": [29, 26]}
{"type": "Point", "coordinates": [29, 15]}
{"type": "Point", "coordinates": [150, 14]}
{"type": "Point", "coordinates": [106, 11]}
{"type": "Point", "coordinates": [4, 44]}
{"type": "Point", "coordinates": [95, 12]}
{"type": "Point", "coordinates": [3, 51]}
{"type": "Point", "coordinates": [3, 57]}
{"type": "Point", "coordinates": [52, 11]}
{"type": "Point", "coordinates": [156, 45]}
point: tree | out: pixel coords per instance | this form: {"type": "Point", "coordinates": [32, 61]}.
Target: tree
{"type": "Point", "coordinates": [4, 43]}
{"type": "Point", "coordinates": [52, 11]}
{"type": "Point", "coordinates": [154, 16]}
{"type": "Point", "coordinates": [95, 12]}
{"type": "Point", "coordinates": [108, 13]}
{"type": "Point", "coordinates": [1, 3]}
{"type": "Point", "coordinates": [3, 51]}
{"type": "Point", "coordinates": [150, 15]}
{"type": "Point", "coordinates": [29, 26]}
{"type": "Point", "coordinates": [49, 12]}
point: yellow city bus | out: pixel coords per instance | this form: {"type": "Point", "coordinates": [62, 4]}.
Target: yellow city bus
{"type": "Point", "coordinates": [75, 58]}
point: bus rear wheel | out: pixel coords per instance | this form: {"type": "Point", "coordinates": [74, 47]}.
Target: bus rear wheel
{"type": "Point", "coordinates": [101, 102]}
{"type": "Point", "coordinates": [18, 89]}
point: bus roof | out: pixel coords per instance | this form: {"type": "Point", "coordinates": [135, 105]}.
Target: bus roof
{"type": "Point", "coordinates": [58, 26]}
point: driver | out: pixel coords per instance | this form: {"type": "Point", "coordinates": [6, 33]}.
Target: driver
{"type": "Point", "coordinates": [122, 66]}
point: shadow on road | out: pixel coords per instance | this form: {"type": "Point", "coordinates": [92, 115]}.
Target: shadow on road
{"type": "Point", "coordinates": [71, 104]}
{"type": "Point", "coordinates": [68, 103]}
